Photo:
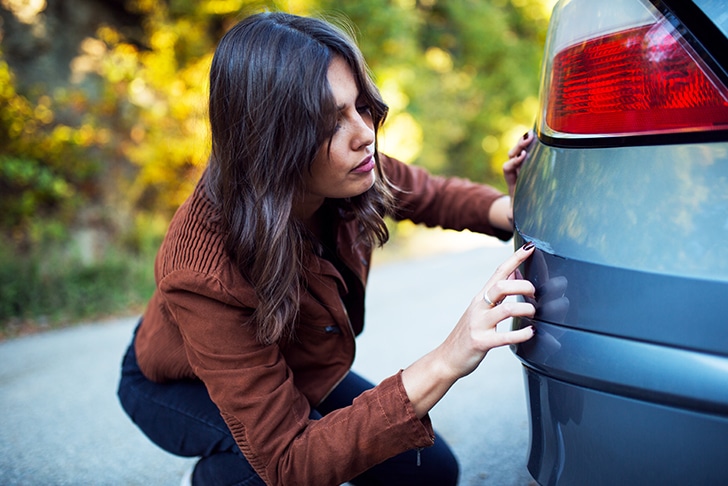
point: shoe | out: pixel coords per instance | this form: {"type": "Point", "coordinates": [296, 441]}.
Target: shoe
{"type": "Point", "coordinates": [187, 477]}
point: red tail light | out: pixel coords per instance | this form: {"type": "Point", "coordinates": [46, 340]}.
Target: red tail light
{"type": "Point", "coordinates": [640, 80]}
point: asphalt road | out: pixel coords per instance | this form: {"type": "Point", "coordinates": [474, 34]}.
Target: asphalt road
{"type": "Point", "coordinates": [61, 423]}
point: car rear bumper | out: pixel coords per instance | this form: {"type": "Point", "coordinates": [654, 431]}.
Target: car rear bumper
{"type": "Point", "coordinates": [583, 436]}
{"type": "Point", "coordinates": [622, 403]}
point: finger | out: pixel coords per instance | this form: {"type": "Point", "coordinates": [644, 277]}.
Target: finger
{"type": "Point", "coordinates": [510, 309]}
{"type": "Point", "coordinates": [511, 337]}
{"type": "Point", "coordinates": [523, 143]}
{"type": "Point", "coordinates": [516, 149]}
{"type": "Point", "coordinates": [506, 288]}
{"type": "Point", "coordinates": [514, 164]}
{"type": "Point", "coordinates": [512, 168]}
{"type": "Point", "coordinates": [517, 152]}
{"type": "Point", "coordinates": [519, 335]}
{"type": "Point", "coordinates": [506, 268]}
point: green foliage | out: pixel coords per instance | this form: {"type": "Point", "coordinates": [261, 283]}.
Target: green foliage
{"type": "Point", "coordinates": [53, 288]}
{"type": "Point", "coordinates": [45, 166]}
{"type": "Point", "coordinates": [123, 143]}
{"type": "Point", "coordinates": [466, 71]}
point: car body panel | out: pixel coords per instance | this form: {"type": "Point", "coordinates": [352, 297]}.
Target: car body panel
{"type": "Point", "coordinates": [635, 253]}
{"type": "Point", "coordinates": [627, 375]}
{"type": "Point", "coordinates": [638, 332]}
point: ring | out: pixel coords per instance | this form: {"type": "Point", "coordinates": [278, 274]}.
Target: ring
{"type": "Point", "coordinates": [488, 301]}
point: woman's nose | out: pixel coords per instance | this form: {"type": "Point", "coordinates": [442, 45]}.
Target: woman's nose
{"type": "Point", "coordinates": [364, 132]}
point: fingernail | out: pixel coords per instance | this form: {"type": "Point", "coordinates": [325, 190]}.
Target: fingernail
{"type": "Point", "coordinates": [525, 136]}
{"type": "Point", "coordinates": [528, 245]}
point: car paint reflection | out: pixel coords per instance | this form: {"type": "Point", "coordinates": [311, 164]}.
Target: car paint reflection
{"type": "Point", "coordinates": [611, 206]}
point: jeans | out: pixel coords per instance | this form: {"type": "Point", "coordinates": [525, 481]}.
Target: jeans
{"type": "Point", "coordinates": [181, 418]}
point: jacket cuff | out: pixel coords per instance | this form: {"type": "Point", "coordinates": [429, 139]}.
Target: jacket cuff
{"type": "Point", "coordinates": [419, 431]}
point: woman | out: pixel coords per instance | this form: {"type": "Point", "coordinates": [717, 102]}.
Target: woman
{"type": "Point", "coordinates": [243, 354]}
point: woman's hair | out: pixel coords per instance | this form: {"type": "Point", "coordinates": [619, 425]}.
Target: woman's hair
{"type": "Point", "coordinates": [271, 109]}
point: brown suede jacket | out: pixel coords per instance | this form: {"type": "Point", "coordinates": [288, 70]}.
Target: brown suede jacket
{"type": "Point", "coordinates": [194, 328]}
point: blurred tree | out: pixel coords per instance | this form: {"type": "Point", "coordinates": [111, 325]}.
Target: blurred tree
{"type": "Point", "coordinates": [126, 135]}
{"type": "Point", "coordinates": [47, 168]}
{"type": "Point", "coordinates": [461, 76]}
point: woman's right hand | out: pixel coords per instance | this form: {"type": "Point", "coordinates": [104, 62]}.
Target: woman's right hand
{"type": "Point", "coordinates": [429, 378]}
{"type": "Point", "coordinates": [516, 157]}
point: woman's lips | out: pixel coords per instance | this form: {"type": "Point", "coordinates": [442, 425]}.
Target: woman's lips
{"type": "Point", "coordinates": [366, 166]}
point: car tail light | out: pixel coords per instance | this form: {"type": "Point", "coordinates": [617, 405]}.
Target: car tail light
{"type": "Point", "coordinates": [640, 77]}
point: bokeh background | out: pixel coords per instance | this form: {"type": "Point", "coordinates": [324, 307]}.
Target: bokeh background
{"type": "Point", "coordinates": [103, 128]}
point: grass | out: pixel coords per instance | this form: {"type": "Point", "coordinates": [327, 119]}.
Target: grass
{"type": "Point", "coordinates": [44, 290]}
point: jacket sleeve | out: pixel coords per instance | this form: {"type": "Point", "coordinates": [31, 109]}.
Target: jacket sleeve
{"type": "Point", "coordinates": [267, 415]}
{"type": "Point", "coordinates": [448, 202]}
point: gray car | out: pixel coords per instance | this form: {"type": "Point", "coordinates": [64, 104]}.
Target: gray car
{"type": "Point", "coordinates": [625, 194]}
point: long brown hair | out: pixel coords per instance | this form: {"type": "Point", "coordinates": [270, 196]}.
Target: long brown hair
{"type": "Point", "coordinates": [271, 109]}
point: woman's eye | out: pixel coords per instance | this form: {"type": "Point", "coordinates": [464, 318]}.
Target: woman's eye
{"type": "Point", "coordinates": [364, 109]}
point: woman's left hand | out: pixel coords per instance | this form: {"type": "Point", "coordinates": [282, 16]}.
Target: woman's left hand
{"type": "Point", "coordinates": [475, 332]}
{"type": "Point", "coordinates": [516, 157]}
{"type": "Point", "coordinates": [428, 379]}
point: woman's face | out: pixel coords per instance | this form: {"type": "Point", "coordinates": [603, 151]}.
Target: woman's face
{"type": "Point", "coordinates": [345, 168]}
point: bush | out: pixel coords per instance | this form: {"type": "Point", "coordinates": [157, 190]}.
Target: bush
{"type": "Point", "coordinates": [47, 288]}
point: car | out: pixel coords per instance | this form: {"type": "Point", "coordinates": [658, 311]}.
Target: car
{"type": "Point", "coordinates": [625, 195]}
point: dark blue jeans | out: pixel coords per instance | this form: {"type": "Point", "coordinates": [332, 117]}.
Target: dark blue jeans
{"type": "Point", "coordinates": [180, 418]}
